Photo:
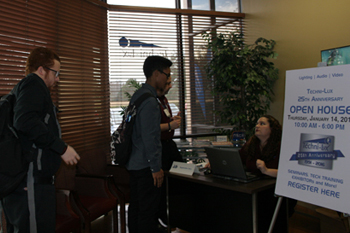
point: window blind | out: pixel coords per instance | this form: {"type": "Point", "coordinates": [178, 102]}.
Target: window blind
{"type": "Point", "coordinates": [136, 34]}
{"type": "Point", "coordinates": [77, 31]}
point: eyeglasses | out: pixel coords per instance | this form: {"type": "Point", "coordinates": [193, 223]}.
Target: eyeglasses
{"type": "Point", "coordinates": [57, 73]}
{"type": "Point", "coordinates": [167, 75]}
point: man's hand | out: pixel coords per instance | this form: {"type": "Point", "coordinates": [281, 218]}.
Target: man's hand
{"type": "Point", "coordinates": [70, 157]}
{"type": "Point", "coordinates": [176, 121]}
{"type": "Point", "coordinates": [158, 178]}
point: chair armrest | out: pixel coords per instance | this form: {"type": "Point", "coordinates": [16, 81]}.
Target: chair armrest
{"type": "Point", "coordinates": [68, 204]}
{"type": "Point", "coordinates": [93, 185]}
{"type": "Point", "coordinates": [97, 176]}
{"type": "Point", "coordinates": [120, 174]}
{"type": "Point", "coordinates": [121, 178]}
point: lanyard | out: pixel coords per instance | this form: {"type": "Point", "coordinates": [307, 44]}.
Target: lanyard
{"type": "Point", "coordinates": [166, 110]}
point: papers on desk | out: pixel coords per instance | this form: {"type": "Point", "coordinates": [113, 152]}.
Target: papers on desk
{"type": "Point", "coordinates": [229, 144]}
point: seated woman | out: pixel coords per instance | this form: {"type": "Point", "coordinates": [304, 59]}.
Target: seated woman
{"type": "Point", "coordinates": [261, 153]}
{"type": "Point", "coordinates": [261, 156]}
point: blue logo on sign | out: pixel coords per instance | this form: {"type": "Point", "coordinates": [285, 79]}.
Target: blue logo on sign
{"type": "Point", "coordinates": [317, 151]}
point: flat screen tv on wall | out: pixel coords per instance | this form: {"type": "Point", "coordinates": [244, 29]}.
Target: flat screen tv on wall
{"type": "Point", "coordinates": [336, 56]}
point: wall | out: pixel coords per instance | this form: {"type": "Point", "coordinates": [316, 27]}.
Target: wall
{"type": "Point", "coordinates": [301, 29]}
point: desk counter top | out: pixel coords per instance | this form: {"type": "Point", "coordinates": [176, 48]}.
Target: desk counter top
{"type": "Point", "coordinates": [249, 188]}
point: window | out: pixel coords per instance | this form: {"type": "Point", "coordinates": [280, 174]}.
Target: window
{"type": "Point", "coordinates": [77, 31]}
{"type": "Point", "coordinates": [200, 4]}
{"type": "Point", "coordinates": [153, 3]}
{"type": "Point", "coordinates": [227, 6]}
{"type": "Point", "coordinates": [133, 37]}
{"type": "Point", "coordinates": [136, 34]}
{"type": "Point", "coordinates": [214, 5]}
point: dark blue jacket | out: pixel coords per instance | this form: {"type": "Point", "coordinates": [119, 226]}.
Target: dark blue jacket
{"type": "Point", "coordinates": [146, 145]}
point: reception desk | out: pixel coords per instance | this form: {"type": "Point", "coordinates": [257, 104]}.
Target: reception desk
{"type": "Point", "coordinates": [202, 203]}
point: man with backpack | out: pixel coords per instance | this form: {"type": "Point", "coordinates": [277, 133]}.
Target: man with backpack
{"type": "Point", "coordinates": [31, 207]}
{"type": "Point", "coordinates": [144, 165]}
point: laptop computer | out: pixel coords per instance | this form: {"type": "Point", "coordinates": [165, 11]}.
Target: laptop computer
{"type": "Point", "coordinates": [227, 164]}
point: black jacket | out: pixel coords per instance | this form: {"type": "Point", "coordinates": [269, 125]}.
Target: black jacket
{"type": "Point", "coordinates": [37, 125]}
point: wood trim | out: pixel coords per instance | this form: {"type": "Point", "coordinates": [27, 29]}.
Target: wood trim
{"type": "Point", "coordinates": [167, 10]}
{"type": "Point", "coordinates": [176, 11]}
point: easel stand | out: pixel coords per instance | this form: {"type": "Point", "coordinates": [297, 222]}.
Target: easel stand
{"type": "Point", "coordinates": [1, 223]}
{"type": "Point", "coordinates": [278, 205]}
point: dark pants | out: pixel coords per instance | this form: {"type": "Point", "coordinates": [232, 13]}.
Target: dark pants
{"type": "Point", "coordinates": [170, 153]}
{"type": "Point", "coordinates": [144, 202]}
{"type": "Point", "coordinates": [16, 209]}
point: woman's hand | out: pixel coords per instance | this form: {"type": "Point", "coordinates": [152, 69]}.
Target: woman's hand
{"type": "Point", "coordinates": [260, 164]}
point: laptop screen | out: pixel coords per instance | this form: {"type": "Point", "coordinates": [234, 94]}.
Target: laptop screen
{"type": "Point", "coordinates": [226, 162]}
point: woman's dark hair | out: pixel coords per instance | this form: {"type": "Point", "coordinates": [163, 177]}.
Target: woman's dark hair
{"type": "Point", "coordinates": [273, 142]}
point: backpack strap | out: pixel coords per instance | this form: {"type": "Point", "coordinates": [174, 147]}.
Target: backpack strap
{"type": "Point", "coordinates": [31, 199]}
{"type": "Point", "coordinates": [143, 97]}
{"type": "Point", "coordinates": [38, 160]}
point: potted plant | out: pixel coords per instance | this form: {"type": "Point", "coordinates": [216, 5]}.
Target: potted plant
{"type": "Point", "coordinates": [242, 78]}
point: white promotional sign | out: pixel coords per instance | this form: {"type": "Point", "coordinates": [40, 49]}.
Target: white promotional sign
{"type": "Point", "coordinates": [315, 152]}
{"type": "Point", "coordinates": [184, 168]}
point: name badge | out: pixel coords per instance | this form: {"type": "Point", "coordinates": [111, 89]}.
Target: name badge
{"type": "Point", "coordinates": [167, 113]}
{"type": "Point", "coordinates": [184, 168]}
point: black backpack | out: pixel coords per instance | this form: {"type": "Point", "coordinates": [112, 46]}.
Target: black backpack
{"type": "Point", "coordinates": [13, 167]}
{"type": "Point", "coordinates": [121, 144]}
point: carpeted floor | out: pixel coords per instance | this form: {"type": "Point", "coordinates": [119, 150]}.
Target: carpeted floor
{"type": "Point", "coordinates": [304, 220]}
